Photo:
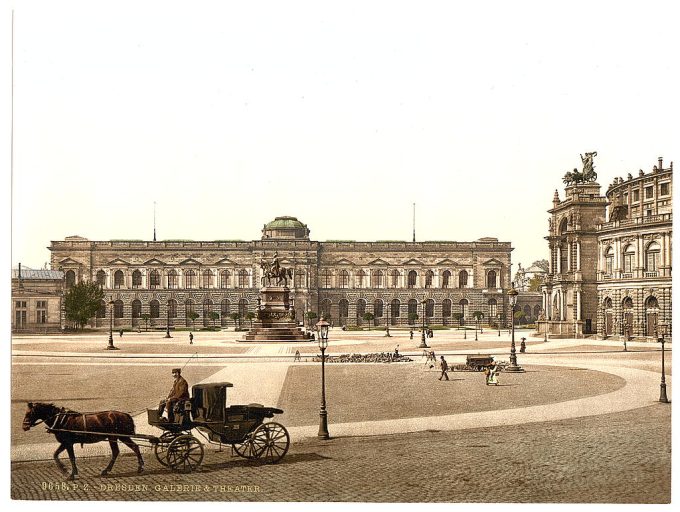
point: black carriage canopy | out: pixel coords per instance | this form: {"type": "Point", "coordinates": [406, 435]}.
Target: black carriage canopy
{"type": "Point", "coordinates": [210, 400]}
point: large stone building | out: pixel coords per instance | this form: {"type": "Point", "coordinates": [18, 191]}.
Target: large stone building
{"type": "Point", "coordinates": [610, 258]}
{"type": "Point", "coordinates": [344, 279]}
{"type": "Point", "coordinates": [36, 300]}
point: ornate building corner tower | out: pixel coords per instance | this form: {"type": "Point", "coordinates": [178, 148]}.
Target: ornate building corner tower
{"type": "Point", "coordinates": [570, 291]}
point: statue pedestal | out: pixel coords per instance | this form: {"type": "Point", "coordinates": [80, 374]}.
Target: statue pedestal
{"type": "Point", "coordinates": [275, 318]}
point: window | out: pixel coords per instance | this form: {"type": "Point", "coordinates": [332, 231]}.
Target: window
{"type": "Point", "coordinates": [136, 308]}
{"type": "Point", "coordinates": [343, 281]}
{"type": "Point", "coordinates": [636, 195]}
{"type": "Point", "coordinates": [378, 279]}
{"type": "Point", "coordinates": [207, 278]}
{"type": "Point", "coordinates": [207, 309]}
{"type": "Point", "coordinates": [243, 278]}
{"type": "Point", "coordinates": [361, 308]}
{"type": "Point", "coordinates": [429, 308]}
{"type": "Point", "coordinates": [225, 275]}
{"type": "Point", "coordinates": [493, 308]}
{"type": "Point", "coordinates": [41, 312]}
{"type": "Point", "coordinates": [20, 314]}
{"type": "Point", "coordinates": [154, 309]}
{"type": "Point", "coordinates": [224, 308]}
{"type": "Point", "coordinates": [101, 278]}
{"type": "Point", "coordinates": [429, 275]}
{"type": "Point", "coordinates": [189, 279]}
{"type": "Point", "coordinates": [462, 279]}
{"type": "Point", "coordinates": [70, 278]}
{"type": "Point", "coordinates": [299, 278]}
{"type": "Point", "coordinates": [464, 306]}
{"type": "Point", "coordinates": [609, 261]}
{"type": "Point", "coordinates": [649, 192]}
{"type": "Point", "coordinates": [343, 307]}
{"type": "Point", "coordinates": [378, 308]}
{"type": "Point", "coordinates": [172, 308]}
{"type": "Point", "coordinates": [628, 259]}
{"type": "Point", "coordinates": [326, 308]}
{"type": "Point", "coordinates": [652, 302]}
{"type": "Point", "coordinates": [446, 308]}
{"type": "Point", "coordinates": [154, 279]}
{"type": "Point", "coordinates": [412, 310]}
{"type": "Point", "coordinates": [118, 309]}
{"type": "Point", "coordinates": [136, 279]}
{"type": "Point", "coordinates": [326, 278]}
{"type": "Point", "coordinates": [243, 307]}
{"type": "Point", "coordinates": [491, 279]}
{"type": "Point", "coordinates": [412, 278]}
{"type": "Point", "coordinates": [665, 189]}
{"type": "Point", "coordinates": [652, 257]}
{"type": "Point", "coordinates": [446, 279]}
{"type": "Point", "coordinates": [118, 279]}
{"type": "Point", "coordinates": [395, 305]}
{"type": "Point", "coordinates": [361, 278]}
{"type": "Point", "coordinates": [101, 311]}
{"type": "Point", "coordinates": [172, 279]}
{"type": "Point", "coordinates": [394, 278]}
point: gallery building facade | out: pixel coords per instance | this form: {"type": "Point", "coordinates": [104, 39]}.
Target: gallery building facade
{"type": "Point", "coordinates": [161, 282]}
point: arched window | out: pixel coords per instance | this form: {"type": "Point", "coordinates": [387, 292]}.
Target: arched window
{"type": "Point", "coordinates": [378, 279]}
{"type": "Point", "coordinates": [563, 226]}
{"type": "Point", "coordinates": [537, 311]}
{"type": "Point", "coordinates": [429, 275]}
{"type": "Point", "coordinates": [326, 277]}
{"type": "Point", "coordinates": [412, 310]}
{"type": "Point", "coordinates": [395, 306]}
{"type": "Point", "coordinates": [652, 257]}
{"type": "Point", "coordinates": [70, 278]}
{"type": "Point", "coordinates": [225, 276]}
{"type": "Point", "coordinates": [189, 279]}
{"type": "Point", "coordinates": [361, 278]}
{"type": "Point", "coordinates": [446, 309]}
{"type": "Point", "coordinates": [154, 279]}
{"type": "Point", "coordinates": [154, 309]}
{"type": "Point", "coordinates": [629, 258]}
{"type": "Point", "coordinates": [361, 308]}
{"type": "Point", "coordinates": [343, 307]}
{"type": "Point", "coordinates": [609, 261]}
{"type": "Point", "coordinates": [118, 279]}
{"type": "Point", "coordinates": [462, 279]}
{"type": "Point", "coordinates": [136, 279]}
{"type": "Point", "coordinates": [608, 303]}
{"type": "Point", "coordinates": [429, 308]}
{"type": "Point", "coordinates": [172, 279]}
{"type": "Point", "coordinates": [207, 309]}
{"type": "Point", "coordinates": [412, 279]}
{"type": "Point", "coordinates": [394, 278]}
{"type": "Point", "coordinates": [172, 308]}
{"type": "Point", "coordinates": [446, 278]}
{"type": "Point", "coordinates": [101, 311]}
{"type": "Point", "coordinates": [564, 256]}
{"type": "Point", "coordinates": [464, 308]}
{"type": "Point", "coordinates": [343, 279]}
{"type": "Point", "coordinates": [224, 308]}
{"type": "Point", "coordinates": [378, 308]}
{"type": "Point", "coordinates": [326, 308]}
{"type": "Point", "coordinates": [652, 303]}
{"type": "Point", "coordinates": [118, 309]}
{"type": "Point", "coordinates": [493, 308]}
{"type": "Point", "coordinates": [491, 279]}
{"type": "Point", "coordinates": [101, 278]}
{"type": "Point", "coordinates": [243, 278]}
{"type": "Point", "coordinates": [243, 307]}
{"type": "Point", "coordinates": [627, 303]}
{"type": "Point", "coordinates": [207, 279]}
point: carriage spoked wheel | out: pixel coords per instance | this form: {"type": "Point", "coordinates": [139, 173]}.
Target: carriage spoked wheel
{"type": "Point", "coordinates": [160, 449]}
{"type": "Point", "coordinates": [244, 449]}
{"type": "Point", "coordinates": [270, 442]}
{"type": "Point", "coordinates": [185, 454]}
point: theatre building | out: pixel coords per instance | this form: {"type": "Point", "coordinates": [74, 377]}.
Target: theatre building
{"type": "Point", "coordinates": [344, 280]}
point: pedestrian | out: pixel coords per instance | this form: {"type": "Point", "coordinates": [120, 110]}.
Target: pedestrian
{"type": "Point", "coordinates": [297, 356]}
{"type": "Point", "coordinates": [191, 338]}
{"type": "Point", "coordinates": [120, 333]}
{"type": "Point", "coordinates": [523, 345]}
{"type": "Point", "coordinates": [411, 333]}
{"type": "Point", "coordinates": [444, 366]}
{"type": "Point", "coordinates": [431, 333]}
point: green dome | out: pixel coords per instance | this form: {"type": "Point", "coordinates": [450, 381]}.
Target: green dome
{"type": "Point", "coordinates": [284, 222]}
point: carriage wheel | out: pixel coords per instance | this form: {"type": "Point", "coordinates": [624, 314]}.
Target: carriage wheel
{"type": "Point", "coordinates": [185, 454]}
{"type": "Point", "coordinates": [270, 442]}
{"type": "Point", "coordinates": [244, 449]}
{"type": "Point", "coordinates": [160, 449]}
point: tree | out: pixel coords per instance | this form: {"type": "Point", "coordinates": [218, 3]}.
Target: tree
{"type": "Point", "coordinates": [82, 301]}
{"type": "Point", "coordinates": [520, 316]}
{"type": "Point", "coordinates": [250, 315]}
{"type": "Point", "coordinates": [535, 284]}
{"type": "Point", "coordinates": [235, 317]}
{"type": "Point", "coordinates": [146, 317]}
{"type": "Point", "coordinates": [412, 317]}
{"type": "Point", "coordinates": [542, 264]}
{"type": "Point", "coordinates": [214, 316]}
{"type": "Point", "coordinates": [192, 315]}
{"type": "Point", "coordinates": [369, 318]}
{"type": "Point", "coordinates": [459, 317]}
{"type": "Point", "coordinates": [311, 315]}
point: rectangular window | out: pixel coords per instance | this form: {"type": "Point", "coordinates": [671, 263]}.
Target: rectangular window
{"type": "Point", "coordinates": [649, 192]}
{"type": "Point", "coordinates": [41, 312]}
{"type": "Point", "coordinates": [609, 262]}
{"type": "Point", "coordinates": [636, 195]}
{"type": "Point", "coordinates": [665, 189]}
{"type": "Point", "coordinates": [652, 261]}
{"type": "Point", "coordinates": [628, 262]}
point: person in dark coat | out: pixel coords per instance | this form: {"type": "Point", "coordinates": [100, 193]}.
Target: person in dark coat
{"type": "Point", "coordinates": [191, 338]}
{"type": "Point", "coordinates": [179, 392]}
{"type": "Point", "coordinates": [444, 366]}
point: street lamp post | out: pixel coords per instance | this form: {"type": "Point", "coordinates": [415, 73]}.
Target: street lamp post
{"type": "Point", "coordinates": [423, 343]}
{"type": "Point", "coordinates": [661, 339]}
{"type": "Point", "coordinates": [498, 318]}
{"type": "Point", "coordinates": [512, 294]}
{"type": "Point", "coordinates": [322, 327]}
{"type": "Point", "coordinates": [387, 322]}
{"type": "Point", "coordinates": [110, 346]}
{"type": "Point", "coordinates": [167, 324]}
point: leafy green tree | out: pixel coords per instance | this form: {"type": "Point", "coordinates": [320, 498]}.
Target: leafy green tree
{"type": "Point", "coordinates": [477, 315]}
{"type": "Point", "coordinates": [311, 315]}
{"type": "Point", "coordinates": [369, 318]}
{"type": "Point", "coordinates": [520, 317]}
{"type": "Point", "coordinates": [535, 284]}
{"type": "Point", "coordinates": [192, 315]}
{"type": "Point", "coordinates": [214, 316]}
{"type": "Point", "coordinates": [236, 317]}
{"type": "Point", "coordinates": [146, 317]}
{"type": "Point", "coordinates": [459, 317]}
{"type": "Point", "coordinates": [542, 264]}
{"type": "Point", "coordinates": [412, 317]}
{"type": "Point", "coordinates": [82, 301]}
{"type": "Point", "coordinates": [249, 316]}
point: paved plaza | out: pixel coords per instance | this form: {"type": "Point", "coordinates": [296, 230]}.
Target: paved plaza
{"type": "Point", "coordinates": [582, 424]}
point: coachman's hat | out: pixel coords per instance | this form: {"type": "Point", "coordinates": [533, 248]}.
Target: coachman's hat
{"type": "Point", "coordinates": [176, 370]}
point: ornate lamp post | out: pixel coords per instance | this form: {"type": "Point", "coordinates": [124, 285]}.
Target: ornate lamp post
{"type": "Point", "coordinates": [322, 328]}
{"type": "Point", "coordinates": [512, 294]}
{"type": "Point", "coordinates": [110, 346]}
{"type": "Point", "coordinates": [498, 317]}
{"type": "Point", "coordinates": [387, 322]}
{"type": "Point", "coordinates": [423, 343]}
{"type": "Point", "coordinates": [662, 329]}
{"type": "Point", "coordinates": [167, 324]}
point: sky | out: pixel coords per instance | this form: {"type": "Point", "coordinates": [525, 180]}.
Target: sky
{"type": "Point", "coordinates": [227, 114]}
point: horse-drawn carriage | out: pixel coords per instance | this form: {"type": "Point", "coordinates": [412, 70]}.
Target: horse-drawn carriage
{"type": "Point", "coordinates": [241, 426]}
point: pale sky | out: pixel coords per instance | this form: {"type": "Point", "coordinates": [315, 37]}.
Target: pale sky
{"type": "Point", "coordinates": [227, 114]}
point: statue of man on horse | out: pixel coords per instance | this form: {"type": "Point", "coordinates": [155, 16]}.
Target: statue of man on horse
{"type": "Point", "coordinates": [274, 273]}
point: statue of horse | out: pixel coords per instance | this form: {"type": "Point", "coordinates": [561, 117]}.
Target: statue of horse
{"type": "Point", "coordinates": [113, 426]}
{"type": "Point", "coordinates": [284, 274]}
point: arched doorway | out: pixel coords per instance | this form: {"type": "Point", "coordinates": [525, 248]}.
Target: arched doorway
{"type": "Point", "coordinates": [627, 317]}
{"type": "Point", "coordinates": [652, 315]}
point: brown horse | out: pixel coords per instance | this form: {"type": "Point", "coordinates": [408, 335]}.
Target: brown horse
{"type": "Point", "coordinates": [118, 425]}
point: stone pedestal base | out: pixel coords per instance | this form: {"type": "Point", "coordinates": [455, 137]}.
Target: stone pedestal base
{"type": "Point", "coordinates": [275, 318]}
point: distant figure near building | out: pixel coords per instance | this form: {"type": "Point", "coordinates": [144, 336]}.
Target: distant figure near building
{"type": "Point", "coordinates": [191, 338]}
{"type": "Point", "coordinates": [444, 367]}
{"type": "Point", "coordinates": [120, 333]}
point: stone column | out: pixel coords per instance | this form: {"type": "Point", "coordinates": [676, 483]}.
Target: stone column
{"type": "Point", "coordinates": [559, 259]}
{"type": "Point", "coordinates": [578, 255]}
{"type": "Point", "coordinates": [578, 304]}
{"type": "Point", "coordinates": [569, 249]}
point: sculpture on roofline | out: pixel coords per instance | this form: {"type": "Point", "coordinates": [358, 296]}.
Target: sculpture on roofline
{"type": "Point", "coordinates": [587, 175]}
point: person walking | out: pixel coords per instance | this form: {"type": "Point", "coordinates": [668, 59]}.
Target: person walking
{"type": "Point", "coordinates": [444, 367]}
{"type": "Point", "coordinates": [411, 333]}
{"type": "Point", "coordinates": [120, 333]}
{"type": "Point", "coordinates": [523, 346]}
{"type": "Point", "coordinates": [191, 338]}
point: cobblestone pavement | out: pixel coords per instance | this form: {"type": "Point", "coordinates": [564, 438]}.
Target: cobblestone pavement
{"type": "Point", "coordinates": [600, 459]}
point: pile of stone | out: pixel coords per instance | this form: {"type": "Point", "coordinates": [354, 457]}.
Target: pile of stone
{"type": "Point", "coordinates": [382, 357]}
